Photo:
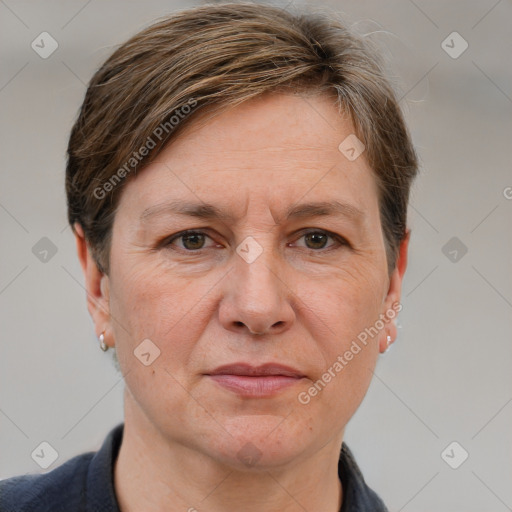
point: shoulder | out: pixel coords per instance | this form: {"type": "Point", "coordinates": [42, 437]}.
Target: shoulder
{"type": "Point", "coordinates": [84, 483]}
{"type": "Point", "coordinates": [55, 491]}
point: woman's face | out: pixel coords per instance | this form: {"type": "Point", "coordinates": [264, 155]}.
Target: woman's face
{"type": "Point", "coordinates": [310, 280]}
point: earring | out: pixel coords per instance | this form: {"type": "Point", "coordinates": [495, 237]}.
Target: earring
{"type": "Point", "coordinates": [388, 344]}
{"type": "Point", "coordinates": [103, 345]}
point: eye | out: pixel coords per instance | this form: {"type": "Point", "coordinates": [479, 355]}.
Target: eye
{"type": "Point", "coordinates": [191, 240]}
{"type": "Point", "coordinates": [317, 239]}
{"type": "Point", "coordinates": [194, 241]}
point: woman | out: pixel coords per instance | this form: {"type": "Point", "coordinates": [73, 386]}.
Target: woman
{"type": "Point", "coordinates": [237, 183]}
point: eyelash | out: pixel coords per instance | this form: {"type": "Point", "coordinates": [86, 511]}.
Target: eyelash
{"type": "Point", "coordinates": [339, 239]}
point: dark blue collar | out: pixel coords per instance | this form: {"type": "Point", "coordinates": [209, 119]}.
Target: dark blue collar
{"type": "Point", "coordinates": [85, 483]}
{"type": "Point", "coordinates": [100, 476]}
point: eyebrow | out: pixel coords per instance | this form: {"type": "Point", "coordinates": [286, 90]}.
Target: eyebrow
{"type": "Point", "coordinates": [209, 211]}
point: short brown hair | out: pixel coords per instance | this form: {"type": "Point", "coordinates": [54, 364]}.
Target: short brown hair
{"type": "Point", "coordinates": [217, 56]}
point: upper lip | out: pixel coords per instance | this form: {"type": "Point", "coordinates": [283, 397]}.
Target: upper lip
{"type": "Point", "coordinates": [246, 369]}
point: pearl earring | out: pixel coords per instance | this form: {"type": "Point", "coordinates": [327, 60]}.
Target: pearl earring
{"type": "Point", "coordinates": [388, 344]}
{"type": "Point", "coordinates": [103, 345]}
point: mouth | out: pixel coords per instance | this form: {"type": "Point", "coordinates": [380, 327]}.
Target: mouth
{"type": "Point", "coordinates": [255, 381]}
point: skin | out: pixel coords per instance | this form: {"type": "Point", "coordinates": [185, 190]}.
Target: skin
{"type": "Point", "coordinates": [310, 298]}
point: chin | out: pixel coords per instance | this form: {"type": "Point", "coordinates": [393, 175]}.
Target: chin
{"type": "Point", "coordinates": [260, 442]}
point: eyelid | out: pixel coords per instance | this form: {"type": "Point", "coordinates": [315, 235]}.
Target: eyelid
{"type": "Point", "coordinates": [340, 240]}
{"type": "Point", "coordinates": [200, 231]}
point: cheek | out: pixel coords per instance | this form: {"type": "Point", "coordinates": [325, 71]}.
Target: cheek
{"type": "Point", "coordinates": [147, 303]}
{"type": "Point", "coordinates": [343, 317]}
{"type": "Point", "coordinates": [343, 310]}
{"type": "Point", "coordinates": [145, 297]}
{"type": "Point", "coordinates": [343, 304]}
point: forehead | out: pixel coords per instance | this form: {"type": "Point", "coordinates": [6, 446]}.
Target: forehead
{"type": "Point", "coordinates": [278, 150]}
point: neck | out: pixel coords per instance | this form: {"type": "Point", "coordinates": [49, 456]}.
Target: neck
{"type": "Point", "coordinates": [156, 475]}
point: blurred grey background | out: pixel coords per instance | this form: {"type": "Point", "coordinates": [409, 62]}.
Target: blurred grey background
{"type": "Point", "coordinates": [447, 378]}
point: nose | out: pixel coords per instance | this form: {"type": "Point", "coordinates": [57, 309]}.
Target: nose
{"type": "Point", "coordinates": [256, 299]}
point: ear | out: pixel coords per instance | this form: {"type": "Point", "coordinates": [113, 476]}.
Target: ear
{"type": "Point", "coordinates": [394, 293]}
{"type": "Point", "coordinates": [97, 286]}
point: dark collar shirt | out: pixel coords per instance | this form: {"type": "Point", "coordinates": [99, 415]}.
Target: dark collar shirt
{"type": "Point", "coordinates": [85, 483]}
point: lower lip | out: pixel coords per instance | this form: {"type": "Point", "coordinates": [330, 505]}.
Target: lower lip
{"type": "Point", "coordinates": [255, 386]}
